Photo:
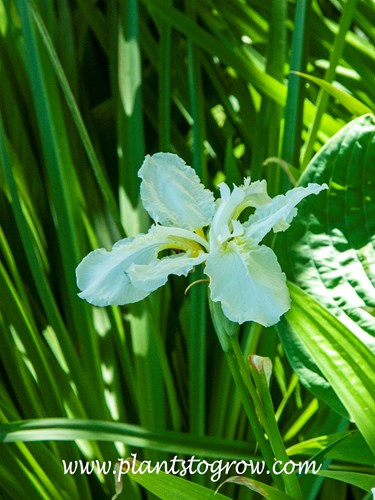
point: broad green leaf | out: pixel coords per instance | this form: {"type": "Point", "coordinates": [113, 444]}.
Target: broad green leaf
{"type": "Point", "coordinates": [306, 368]}
{"type": "Point", "coordinates": [329, 249]}
{"type": "Point", "coordinates": [343, 359]}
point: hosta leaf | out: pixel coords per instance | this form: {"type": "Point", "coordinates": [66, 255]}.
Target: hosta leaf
{"type": "Point", "coordinates": [305, 367]}
{"type": "Point", "coordinates": [343, 359]}
{"type": "Point", "coordinates": [329, 250]}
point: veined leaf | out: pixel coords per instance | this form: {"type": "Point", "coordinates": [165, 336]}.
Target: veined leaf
{"type": "Point", "coordinates": [329, 252]}
{"type": "Point", "coordinates": [343, 359]}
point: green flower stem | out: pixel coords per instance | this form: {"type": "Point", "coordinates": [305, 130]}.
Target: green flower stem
{"type": "Point", "coordinates": [265, 413]}
{"type": "Point", "coordinates": [250, 411]}
{"type": "Point", "coordinates": [256, 400]}
{"type": "Point", "coordinates": [226, 332]}
{"type": "Point", "coordinates": [291, 483]}
{"type": "Point", "coordinates": [248, 381]}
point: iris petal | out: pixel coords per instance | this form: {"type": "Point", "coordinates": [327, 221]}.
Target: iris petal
{"type": "Point", "coordinates": [103, 276]}
{"type": "Point", "coordinates": [172, 193]}
{"type": "Point", "coordinates": [279, 212]}
{"type": "Point", "coordinates": [248, 282]}
{"type": "Point", "coordinates": [110, 278]}
{"type": "Point", "coordinates": [232, 204]}
{"type": "Point", "coordinates": [149, 277]}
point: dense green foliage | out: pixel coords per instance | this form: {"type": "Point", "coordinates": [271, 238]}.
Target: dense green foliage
{"type": "Point", "coordinates": [87, 88]}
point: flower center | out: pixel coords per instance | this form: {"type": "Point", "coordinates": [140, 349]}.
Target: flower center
{"type": "Point", "coordinates": [183, 245]}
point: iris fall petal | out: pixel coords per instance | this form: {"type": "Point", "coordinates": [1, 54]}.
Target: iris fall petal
{"type": "Point", "coordinates": [248, 282]}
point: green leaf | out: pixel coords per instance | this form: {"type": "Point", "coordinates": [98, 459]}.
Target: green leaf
{"type": "Point", "coordinates": [329, 250]}
{"type": "Point", "coordinates": [130, 123]}
{"type": "Point", "coordinates": [72, 104]}
{"type": "Point", "coordinates": [240, 61]}
{"type": "Point", "coordinates": [364, 481]}
{"type": "Point", "coordinates": [266, 491]}
{"type": "Point", "coordinates": [295, 97]}
{"type": "Point", "coordinates": [63, 429]}
{"type": "Point", "coordinates": [351, 103]}
{"type": "Point", "coordinates": [306, 369]}
{"type": "Point", "coordinates": [335, 54]}
{"type": "Point", "coordinates": [167, 486]}
{"type": "Point", "coordinates": [344, 360]}
{"type": "Point", "coordinates": [342, 446]}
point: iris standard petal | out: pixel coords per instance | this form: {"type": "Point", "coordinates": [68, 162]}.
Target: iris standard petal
{"type": "Point", "coordinates": [172, 193]}
{"type": "Point", "coordinates": [232, 204]}
{"type": "Point", "coordinates": [278, 213]}
{"type": "Point", "coordinates": [248, 282]}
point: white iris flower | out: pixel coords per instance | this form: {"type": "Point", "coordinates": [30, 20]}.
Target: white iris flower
{"type": "Point", "coordinates": [244, 275]}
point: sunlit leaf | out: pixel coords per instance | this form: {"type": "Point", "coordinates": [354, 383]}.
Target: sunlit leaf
{"type": "Point", "coordinates": [351, 103]}
{"type": "Point", "coordinates": [343, 359]}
